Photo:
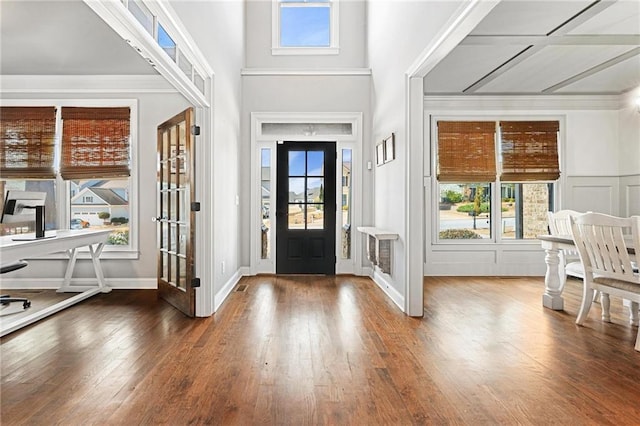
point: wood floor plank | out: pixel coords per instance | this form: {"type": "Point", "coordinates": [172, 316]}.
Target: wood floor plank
{"type": "Point", "coordinates": [296, 350]}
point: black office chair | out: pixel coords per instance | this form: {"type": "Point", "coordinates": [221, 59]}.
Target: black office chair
{"type": "Point", "coordinates": [5, 299]}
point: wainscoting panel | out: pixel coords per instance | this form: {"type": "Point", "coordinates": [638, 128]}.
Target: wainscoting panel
{"type": "Point", "coordinates": [630, 195]}
{"type": "Point", "coordinates": [593, 193]}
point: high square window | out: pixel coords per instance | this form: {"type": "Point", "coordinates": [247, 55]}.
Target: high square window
{"type": "Point", "coordinates": [305, 27]}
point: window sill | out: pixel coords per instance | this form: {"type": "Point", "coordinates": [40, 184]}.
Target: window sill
{"type": "Point", "coordinates": [302, 51]}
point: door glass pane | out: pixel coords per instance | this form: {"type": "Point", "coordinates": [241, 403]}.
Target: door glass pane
{"type": "Point", "coordinates": [164, 236]}
{"type": "Point", "coordinates": [173, 238]}
{"type": "Point", "coordinates": [297, 163]}
{"type": "Point", "coordinates": [182, 272]}
{"type": "Point", "coordinates": [164, 205]}
{"type": "Point", "coordinates": [173, 270]}
{"type": "Point", "coordinates": [315, 190]}
{"type": "Point", "coordinates": [265, 201]}
{"type": "Point", "coordinates": [164, 163]}
{"type": "Point", "coordinates": [181, 153]}
{"type": "Point", "coordinates": [173, 203]}
{"type": "Point", "coordinates": [346, 204]}
{"type": "Point", "coordinates": [315, 216]}
{"type": "Point", "coordinates": [182, 239]}
{"type": "Point", "coordinates": [315, 163]}
{"type": "Point", "coordinates": [296, 216]}
{"type": "Point", "coordinates": [296, 190]}
{"type": "Point", "coordinates": [165, 266]}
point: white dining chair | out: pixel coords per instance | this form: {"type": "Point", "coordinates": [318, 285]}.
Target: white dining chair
{"type": "Point", "coordinates": [608, 266]}
{"type": "Point", "coordinates": [569, 259]}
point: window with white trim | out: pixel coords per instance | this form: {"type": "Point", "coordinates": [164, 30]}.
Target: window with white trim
{"type": "Point", "coordinates": [305, 27]}
{"type": "Point", "coordinates": [89, 170]}
{"type": "Point", "coordinates": [495, 179]}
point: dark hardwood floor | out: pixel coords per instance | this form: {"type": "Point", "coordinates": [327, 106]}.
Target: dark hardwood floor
{"type": "Point", "coordinates": [314, 350]}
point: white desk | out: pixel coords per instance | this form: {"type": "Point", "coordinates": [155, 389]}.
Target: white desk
{"type": "Point", "coordinates": [552, 244]}
{"type": "Point", "coordinates": [64, 241]}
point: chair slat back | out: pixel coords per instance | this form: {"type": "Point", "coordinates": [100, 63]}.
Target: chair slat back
{"type": "Point", "coordinates": [559, 221]}
{"type": "Point", "coordinates": [601, 244]}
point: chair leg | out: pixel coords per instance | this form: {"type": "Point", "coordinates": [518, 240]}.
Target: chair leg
{"type": "Point", "coordinates": [605, 302]}
{"type": "Point", "coordinates": [633, 313]}
{"type": "Point", "coordinates": [637, 347]}
{"type": "Point", "coordinates": [587, 299]}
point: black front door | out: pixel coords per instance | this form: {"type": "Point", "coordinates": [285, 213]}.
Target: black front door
{"type": "Point", "coordinates": [306, 208]}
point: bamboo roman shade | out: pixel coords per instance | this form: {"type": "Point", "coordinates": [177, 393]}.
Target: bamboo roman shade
{"type": "Point", "coordinates": [95, 143]}
{"type": "Point", "coordinates": [28, 142]}
{"type": "Point", "coordinates": [466, 151]}
{"type": "Point", "coordinates": [529, 151]}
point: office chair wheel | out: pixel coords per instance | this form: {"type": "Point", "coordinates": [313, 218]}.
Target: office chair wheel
{"type": "Point", "coordinates": [26, 305]}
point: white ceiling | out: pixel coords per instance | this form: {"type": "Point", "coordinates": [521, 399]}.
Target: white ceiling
{"type": "Point", "coordinates": [62, 38]}
{"type": "Point", "coordinates": [546, 47]}
{"type": "Point", "coordinates": [521, 47]}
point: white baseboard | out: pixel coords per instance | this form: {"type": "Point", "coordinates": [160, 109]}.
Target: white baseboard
{"type": "Point", "coordinates": [388, 289]}
{"type": "Point", "coordinates": [224, 292]}
{"type": "Point", "coordinates": [367, 271]}
{"type": "Point", "coordinates": [55, 283]}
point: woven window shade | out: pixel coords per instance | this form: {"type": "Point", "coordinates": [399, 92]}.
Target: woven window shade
{"type": "Point", "coordinates": [466, 151]}
{"type": "Point", "coordinates": [28, 142]}
{"type": "Point", "coordinates": [529, 151]}
{"type": "Point", "coordinates": [95, 143]}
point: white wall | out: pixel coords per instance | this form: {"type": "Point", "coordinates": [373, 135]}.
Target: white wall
{"type": "Point", "coordinates": [217, 28]}
{"type": "Point", "coordinates": [351, 42]}
{"type": "Point", "coordinates": [301, 94]}
{"type": "Point", "coordinates": [273, 84]}
{"type": "Point", "coordinates": [629, 123]}
{"type": "Point", "coordinates": [153, 109]}
{"type": "Point", "coordinates": [409, 26]}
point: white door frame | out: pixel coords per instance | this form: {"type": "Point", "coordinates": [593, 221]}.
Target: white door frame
{"type": "Point", "coordinates": [288, 128]}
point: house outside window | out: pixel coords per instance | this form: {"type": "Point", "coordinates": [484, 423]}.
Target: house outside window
{"type": "Point", "coordinates": [495, 179]}
{"type": "Point", "coordinates": [305, 27]}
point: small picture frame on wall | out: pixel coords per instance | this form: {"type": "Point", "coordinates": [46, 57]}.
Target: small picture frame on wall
{"type": "Point", "coordinates": [380, 154]}
{"type": "Point", "coordinates": [389, 148]}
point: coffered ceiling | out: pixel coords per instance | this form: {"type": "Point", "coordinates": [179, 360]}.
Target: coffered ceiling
{"type": "Point", "coordinates": [546, 47]}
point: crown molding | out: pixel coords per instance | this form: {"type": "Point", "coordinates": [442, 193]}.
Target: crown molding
{"type": "Point", "coordinates": [85, 84]}
{"type": "Point", "coordinates": [306, 71]}
{"type": "Point", "coordinates": [524, 102]}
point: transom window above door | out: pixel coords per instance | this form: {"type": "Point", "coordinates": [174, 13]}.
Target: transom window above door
{"type": "Point", "coordinates": [305, 27]}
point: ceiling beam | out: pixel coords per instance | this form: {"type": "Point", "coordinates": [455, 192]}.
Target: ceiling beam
{"type": "Point", "coordinates": [553, 40]}
{"type": "Point", "coordinates": [603, 66]}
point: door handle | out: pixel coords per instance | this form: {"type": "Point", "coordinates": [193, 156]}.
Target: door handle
{"type": "Point", "coordinates": [156, 219]}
